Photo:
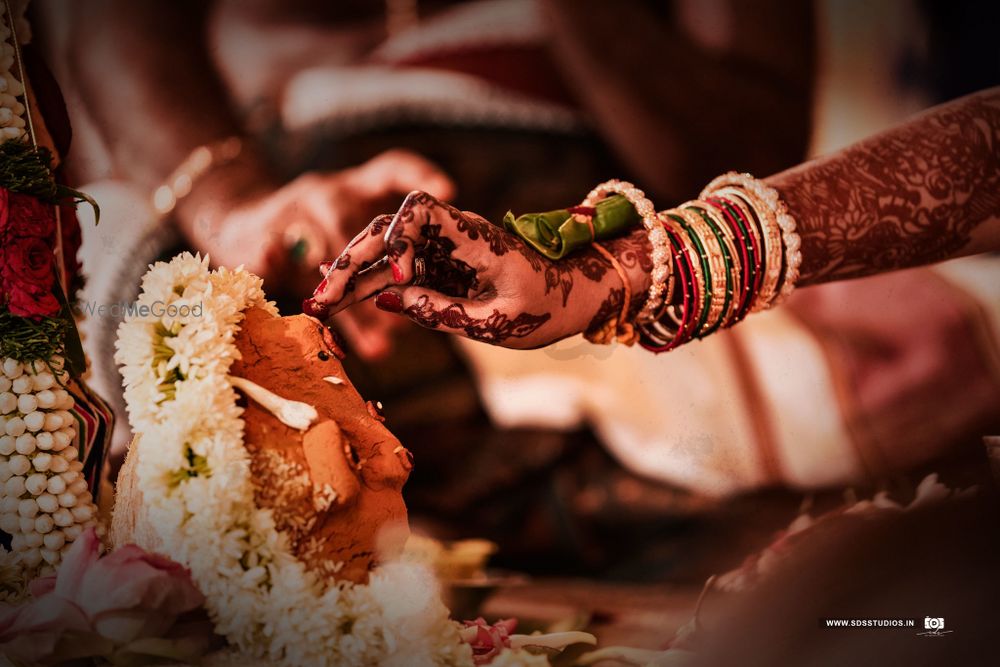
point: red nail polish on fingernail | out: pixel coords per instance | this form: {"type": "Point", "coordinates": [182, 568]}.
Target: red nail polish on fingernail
{"type": "Point", "coordinates": [320, 288]}
{"type": "Point", "coordinates": [315, 309]}
{"type": "Point", "coordinates": [389, 302]}
{"type": "Point", "coordinates": [397, 273]}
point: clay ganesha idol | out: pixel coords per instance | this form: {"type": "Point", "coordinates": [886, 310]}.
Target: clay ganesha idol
{"type": "Point", "coordinates": [335, 487]}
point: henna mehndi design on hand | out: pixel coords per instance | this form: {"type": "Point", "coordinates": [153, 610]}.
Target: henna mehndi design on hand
{"type": "Point", "coordinates": [909, 196]}
{"type": "Point", "coordinates": [495, 329]}
{"type": "Point", "coordinates": [448, 274]}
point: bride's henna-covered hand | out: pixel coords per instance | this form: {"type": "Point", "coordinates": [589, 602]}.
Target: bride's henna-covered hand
{"type": "Point", "coordinates": [478, 280]}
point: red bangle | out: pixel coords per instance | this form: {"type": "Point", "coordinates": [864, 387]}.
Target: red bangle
{"type": "Point", "coordinates": [685, 278]}
{"type": "Point", "coordinates": [752, 224]}
{"type": "Point", "coordinates": [750, 266]}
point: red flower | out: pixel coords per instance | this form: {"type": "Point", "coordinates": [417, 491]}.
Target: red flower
{"type": "Point", "coordinates": [29, 216]}
{"type": "Point", "coordinates": [36, 305]}
{"type": "Point", "coordinates": [29, 262]}
{"type": "Point", "coordinates": [4, 207]}
{"type": "Point", "coordinates": [487, 641]}
{"type": "Point", "coordinates": [27, 266]}
{"type": "Point", "coordinates": [28, 293]}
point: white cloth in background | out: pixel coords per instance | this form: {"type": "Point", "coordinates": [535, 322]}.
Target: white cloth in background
{"type": "Point", "coordinates": [115, 255]}
{"type": "Point", "coordinates": [682, 417]}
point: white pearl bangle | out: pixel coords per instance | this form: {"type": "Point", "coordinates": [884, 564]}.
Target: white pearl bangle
{"type": "Point", "coordinates": [657, 239]}
{"type": "Point", "coordinates": [790, 238]}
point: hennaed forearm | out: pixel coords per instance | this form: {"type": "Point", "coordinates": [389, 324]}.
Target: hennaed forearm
{"type": "Point", "coordinates": [925, 191]}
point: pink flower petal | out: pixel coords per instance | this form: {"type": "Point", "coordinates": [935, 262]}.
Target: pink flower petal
{"type": "Point", "coordinates": [41, 586]}
{"type": "Point", "coordinates": [129, 578]}
{"type": "Point", "coordinates": [80, 557]}
{"type": "Point", "coordinates": [47, 615]}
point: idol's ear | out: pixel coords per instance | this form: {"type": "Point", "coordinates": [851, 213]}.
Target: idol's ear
{"type": "Point", "coordinates": [333, 466]}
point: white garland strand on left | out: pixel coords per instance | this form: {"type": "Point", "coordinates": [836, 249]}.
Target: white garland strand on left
{"type": "Point", "coordinates": [45, 503]}
{"type": "Point", "coordinates": [12, 120]}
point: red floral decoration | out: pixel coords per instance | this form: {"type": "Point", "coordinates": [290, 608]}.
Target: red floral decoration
{"type": "Point", "coordinates": [487, 641]}
{"type": "Point", "coordinates": [27, 266]}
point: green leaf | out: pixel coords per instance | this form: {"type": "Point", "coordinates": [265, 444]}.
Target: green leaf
{"type": "Point", "coordinates": [72, 345]}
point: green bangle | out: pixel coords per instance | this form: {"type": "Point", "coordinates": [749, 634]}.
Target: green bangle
{"type": "Point", "coordinates": [754, 264]}
{"type": "Point", "coordinates": [716, 264]}
{"type": "Point", "coordinates": [706, 271]}
{"type": "Point", "coordinates": [727, 260]}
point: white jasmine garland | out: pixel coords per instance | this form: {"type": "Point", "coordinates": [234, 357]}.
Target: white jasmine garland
{"type": "Point", "coordinates": [194, 472]}
{"type": "Point", "coordinates": [44, 500]}
{"type": "Point", "coordinates": [12, 120]}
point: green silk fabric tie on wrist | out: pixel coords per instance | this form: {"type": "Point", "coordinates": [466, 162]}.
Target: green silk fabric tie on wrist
{"type": "Point", "coordinates": [556, 234]}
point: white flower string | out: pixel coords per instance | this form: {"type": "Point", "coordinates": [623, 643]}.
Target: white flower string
{"type": "Point", "coordinates": [45, 503]}
{"type": "Point", "coordinates": [13, 114]}
{"type": "Point", "coordinates": [194, 472]}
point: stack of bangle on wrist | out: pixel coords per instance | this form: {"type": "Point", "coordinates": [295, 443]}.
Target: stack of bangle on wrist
{"type": "Point", "coordinates": [661, 277]}
{"type": "Point", "coordinates": [716, 259]}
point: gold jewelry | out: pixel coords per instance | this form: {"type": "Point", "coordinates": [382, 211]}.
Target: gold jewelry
{"type": "Point", "coordinates": [653, 329]}
{"type": "Point", "coordinates": [734, 269]}
{"type": "Point", "coordinates": [181, 180]}
{"type": "Point", "coordinates": [615, 328]}
{"type": "Point", "coordinates": [657, 239]}
{"type": "Point", "coordinates": [664, 335]}
{"type": "Point", "coordinates": [772, 244]}
{"type": "Point", "coordinates": [783, 224]}
{"type": "Point", "coordinates": [716, 263]}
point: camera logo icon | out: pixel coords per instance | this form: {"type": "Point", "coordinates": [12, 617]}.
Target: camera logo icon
{"type": "Point", "coordinates": [931, 623]}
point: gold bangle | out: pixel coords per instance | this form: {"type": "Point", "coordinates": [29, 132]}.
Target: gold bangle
{"type": "Point", "coordinates": [655, 330]}
{"type": "Point", "coordinates": [772, 244]}
{"type": "Point", "coordinates": [615, 328]}
{"type": "Point", "coordinates": [657, 239]}
{"type": "Point", "coordinates": [790, 239]}
{"type": "Point", "coordinates": [698, 278]}
{"type": "Point", "coordinates": [716, 264]}
{"type": "Point", "coordinates": [668, 294]}
{"type": "Point", "coordinates": [736, 275]}
{"type": "Point", "coordinates": [181, 180]}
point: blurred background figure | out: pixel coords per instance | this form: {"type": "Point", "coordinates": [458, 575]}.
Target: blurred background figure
{"type": "Point", "coordinates": [316, 116]}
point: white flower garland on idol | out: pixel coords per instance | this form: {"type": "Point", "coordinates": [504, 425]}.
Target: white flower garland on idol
{"type": "Point", "coordinates": [194, 472]}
